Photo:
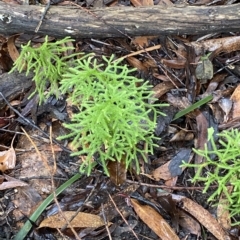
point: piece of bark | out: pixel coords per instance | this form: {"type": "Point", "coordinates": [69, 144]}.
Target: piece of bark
{"type": "Point", "coordinates": [12, 85]}
{"type": "Point", "coordinates": [141, 21]}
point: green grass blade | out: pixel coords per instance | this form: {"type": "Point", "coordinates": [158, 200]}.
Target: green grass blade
{"type": "Point", "coordinates": [193, 107]}
{"type": "Point", "coordinates": [27, 226]}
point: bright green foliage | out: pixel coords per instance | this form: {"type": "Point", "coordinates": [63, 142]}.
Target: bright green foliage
{"type": "Point", "coordinates": [224, 169]}
{"type": "Point", "coordinates": [113, 116]}
{"type": "Point", "coordinates": [114, 107]}
{"type": "Point", "coordinates": [47, 63]}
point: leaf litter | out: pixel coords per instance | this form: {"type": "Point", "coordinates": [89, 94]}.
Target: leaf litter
{"type": "Point", "coordinates": [168, 205]}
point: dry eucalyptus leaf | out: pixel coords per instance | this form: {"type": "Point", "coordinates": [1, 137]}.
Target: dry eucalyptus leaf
{"type": "Point", "coordinates": [117, 171]}
{"type": "Point", "coordinates": [223, 214]}
{"type": "Point", "coordinates": [162, 88]}
{"type": "Point", "coordinates": [172, 168]}
{"type": "Point", "coordinates": [134, 62]}
{"type": "Point", "coordinates": [236, 102]}
{"type": "Point", "coordinates": [205, 218]}
{"type": "Point", "coordinates": [189, 224]}
{"type": "Point", "coordinates": [82, 220]}
{"type": "Point", "coordinates": [12, 50]}
{"type": "Point", "coordinates": [154, 221]}
{"type": "Point", "coordinates": [11, 183]}
{"type": "Point", "coordinates": [162, 172]}
{"type": "Point", "coordinates": [7, 159]}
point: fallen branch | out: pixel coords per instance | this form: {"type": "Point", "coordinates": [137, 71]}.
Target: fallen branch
{"type": "Point", "coordinates": [156, 20]}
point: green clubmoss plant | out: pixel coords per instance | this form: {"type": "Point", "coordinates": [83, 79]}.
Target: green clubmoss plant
{"type": "Point", "coordinates": [113, 105]}
{"type": "Point", "coordinates": [113, 112]}
{"type": "Point", "coordinates": [224, 168]}
{"type": "Point", "coordinates": [47, 63]}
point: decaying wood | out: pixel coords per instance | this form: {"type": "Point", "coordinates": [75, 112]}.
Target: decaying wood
{"type": "Point", "coordinates": [12, 85]}
{"type": "Point", "coordinates": [156, 20]}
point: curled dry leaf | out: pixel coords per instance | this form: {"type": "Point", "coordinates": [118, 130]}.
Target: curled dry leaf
{"type": "Point", "coordinates": [12, 50]}
{"type": "Point", "coordinates": [162, 88]}
{"type": "Point", "coordinates": [182, 135]}
{"type": "Point", "coordinates": [142, 41]}
{"type": "Point", "coordinates": [175, 63]}
{"type": "Point", "coordinates": [7, 159]}
{"type": "Point", "coordinates": [226, 105]}
{"type": "Point", "coordinates": [205, 218]}
{"type": "Point", "coordinates": [236, 102]}
{"type": "Point", "coordinates": [136, 64]}
{"type": "Point", "coordinates": [154, 221]}
{"type": "Point", "coordinates": [82, 220]}
{"type": "Point", "coordinates": [11, 183]}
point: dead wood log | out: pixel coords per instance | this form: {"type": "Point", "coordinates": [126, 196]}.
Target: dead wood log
{"type": "Point", "coordinates": [156, 20]}
{"type": "Point", "coordinates": [12, 85]}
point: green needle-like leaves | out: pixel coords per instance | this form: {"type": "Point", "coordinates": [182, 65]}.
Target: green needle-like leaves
{"type": "Point", "coordinates": [113, 106]}
{"type": "Point", "coordinates": [47, 63]}
{"type": "Point", "coordinates": [223, 169]}
{"type": "Point", "coordinates": [113, 116]}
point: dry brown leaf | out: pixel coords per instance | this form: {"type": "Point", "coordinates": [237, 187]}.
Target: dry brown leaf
{"type": "Point", "coordinates": [182, 135]}
{"type": "Point", "coordinates": [171, 183]}
{"type": "Point", "coordinates": [178, 102]}
{"type": "Point", "coordinates": [161, 77]}
{"type": "Point", "coordinates": [189, 224]}
{"type": "Point", "coordinates": [214, 83]}
{"type": "Point", "coordinates": [236, 102]}
{"type": "Point", "coordinates": [142, 51]}
{"type": "Point", "coordinates": [11, 183]}
{"type": "Point", "coordinates": [82, 220]}
{"type": "Point", "coordinates": [141, 41]}
{"type": "Point", "coordinates": [226, 105]}
{"type": "Point", "coordinates": [174, 63]}
{"type": "Point", "coordinates": [117, 171]}
{"type": "Point", "coordinates": [173, 167]}
{"type": "Point", "coordinates": [162, 88]}
{"type": "Point", "coordinates": [134, 62]}
{"type": "Point", "coordinates": [223, 214]}
{"type": "Point", "coordinates": [150, 63]}
{"type": "Point", "coordinates": [7, 159]}
{"type": "Point", "coordinates": [202, 126]}
{"type": "Point", "coordinates": [204, 217]}
{"type": "Point", "coordinates": [162, 172]}
{"type": "Point", "coordinates": [154, 221]}
{"type": "Point", "coordinates": [12, 50]}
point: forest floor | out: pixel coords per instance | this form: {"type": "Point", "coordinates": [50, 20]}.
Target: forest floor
{"type": "Point", "coordinates": [161, 202]}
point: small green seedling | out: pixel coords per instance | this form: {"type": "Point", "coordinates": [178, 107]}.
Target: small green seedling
{"type": "Point", "coordinates": [113, 106]}
{"type": "Point", "coordinates": [224, 168]}
{"type": "Point", "coordinates": [192, 107]}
